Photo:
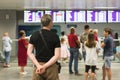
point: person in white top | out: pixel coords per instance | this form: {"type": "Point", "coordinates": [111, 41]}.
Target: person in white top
{"type": "Point", "coordinates": [65, 54]}
{"type": "Point", "coordinates": [6, 48]}
{"type": "Point", "coordinates": [63, 35]}
{"type": "Point", "coordinates": [91, 48]}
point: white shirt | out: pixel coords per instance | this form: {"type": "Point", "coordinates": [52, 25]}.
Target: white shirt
{"type": "Point", "coordinates": [91, 55]}
{"type": "Point", "coordinates": [66, 39]}
{"type": "Point", "coordinates": [6, 43]}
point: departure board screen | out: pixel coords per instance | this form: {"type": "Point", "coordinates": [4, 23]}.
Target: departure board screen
{"type": "Point", "coordinates": [32, 16]}
{"type": "Point", "coordinates": [114, 16]}
{"type": "Point", "coordinates": [75, 16]}
{"type": "Point", "coordinates": [57, 15]}
{"type": "Point", "coordinates": [96, 16]}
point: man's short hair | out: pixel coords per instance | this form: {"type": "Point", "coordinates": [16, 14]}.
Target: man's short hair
{"type": "Point", "coordinates": [46, 19]}
{"type": "Point", "coordinates": [86, 27]}
{"type": "Point", "coordinates": [109, 30]}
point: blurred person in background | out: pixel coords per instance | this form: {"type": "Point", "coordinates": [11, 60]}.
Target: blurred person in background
{"type": "Point", "coordinates": [96, 39]}
{"type": "Point", "coordinates": [6, 45]}
{"type": "Point", "coordinates": [65, 54]}
{"type": "Point", "coordinates": [83, 38]}
{"type": "Point", "coordinates": [74, 51]}
{"type": "Point", "coordinates": [95, 34]}
{"type": "Point", "coordinates": [118, 51]}
{"type": "Point", "coordinates": [116, 44]}
{"type": "Point", "coordinates": [22, 51]}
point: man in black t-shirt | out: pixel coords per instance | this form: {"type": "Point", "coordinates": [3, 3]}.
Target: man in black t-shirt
{"type": "Point", "coordinates": [45, 58]}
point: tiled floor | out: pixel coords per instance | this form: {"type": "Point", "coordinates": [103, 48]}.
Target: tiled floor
{"type": "Point", "coordinates": [12, 73]}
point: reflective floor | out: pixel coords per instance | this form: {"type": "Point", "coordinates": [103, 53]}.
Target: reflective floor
{"type": "Point", "coordinates": [12, 73]}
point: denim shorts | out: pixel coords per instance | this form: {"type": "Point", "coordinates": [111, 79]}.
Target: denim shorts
{"type": "Point", "coordinates": [108, 61]}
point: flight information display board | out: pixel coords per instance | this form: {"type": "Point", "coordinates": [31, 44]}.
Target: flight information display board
{"type": "Point", "coordinates": [32, 16]}
{"type": "Point", "coordinates": [114, 16]}
{"type": "Point", "coordinates": [75, 16]}
{"type": "Point", "coordinates": [96, 16]}
{"type": "Point", "coordinates": [57, 15]}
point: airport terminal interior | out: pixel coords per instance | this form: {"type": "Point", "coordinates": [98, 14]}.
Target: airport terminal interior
{"type": "Point", "coordinates": [16, 15]}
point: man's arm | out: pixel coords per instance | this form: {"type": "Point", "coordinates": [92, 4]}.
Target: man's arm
{"type": "Point", "coordinates": [78, 43]}
{"type": "Point", "coordinates": [32, 56]}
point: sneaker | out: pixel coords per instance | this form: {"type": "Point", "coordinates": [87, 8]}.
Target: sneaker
{"type": "Point", "coordinates": [6, 66]}
{"type": "Point", "coordinates": [23, 73]}
{"type": "Point", "coordinates": [70, 72]}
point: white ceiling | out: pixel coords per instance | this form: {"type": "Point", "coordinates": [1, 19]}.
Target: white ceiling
{"type": "Point", "coordinates": [59, 4]}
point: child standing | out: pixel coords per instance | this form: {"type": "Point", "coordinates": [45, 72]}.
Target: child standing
{"type": "Point", "coordinates": [64, 50]}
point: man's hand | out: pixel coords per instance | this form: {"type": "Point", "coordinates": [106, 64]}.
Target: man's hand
{"type": "Point", "coordinates": [40, 69]}
{"type": "Point", "coordinates": [102, 45]}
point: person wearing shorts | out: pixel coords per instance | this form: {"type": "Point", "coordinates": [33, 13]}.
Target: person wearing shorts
{"type": "Point", "coordinates": [91, 47]}
{"type": "Point", "coordinates": [108, 55]}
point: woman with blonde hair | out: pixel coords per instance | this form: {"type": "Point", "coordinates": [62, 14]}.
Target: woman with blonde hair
{"type": "Point", "coordinates": [7, 48]}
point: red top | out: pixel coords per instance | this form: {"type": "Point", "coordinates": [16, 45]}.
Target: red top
{"type": "Point", "coordinates": [72, 40]}
{"type": "Point", "coordinates": [22, 52]}
{"type": "Point", "coordinates": [95, 37]}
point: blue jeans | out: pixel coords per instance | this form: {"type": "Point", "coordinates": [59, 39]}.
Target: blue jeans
{"type": "Point", "coordinates": [73, 56]}
{"type": "Point", "coordinates": [7, 57]}
{"type": "Point", "coordinates": [84, 55]}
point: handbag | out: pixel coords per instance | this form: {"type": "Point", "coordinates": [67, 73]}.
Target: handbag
{"type": "Point", "coordinates": [77, 44]}
{"type": "Point", "coordinates": [79, 56]}
{"type": "Point", "coordinates": [58, 63]}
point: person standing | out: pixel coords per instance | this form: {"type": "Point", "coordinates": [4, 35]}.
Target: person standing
{"type": "Point", "coordinates": [64, 36]}
{"type": "Point", "coordinates": [91, 46]}
{"type": "Point", "coordinates": [65, 54]}
{"type": "Point", "coordinates": [108, 55]}
{"type": "Point", "coordinates": [74, 50]}
{"type": "Point", "coordinates": [6, 40]}
{"type": "Point", "coordinates": [118, 51]}
{"type": "Point", "coordinates": [116, 43]}
{"type": "Point", "coordinates": [96, 39]}
{"type": "Point", "coordinates": [46, 55]}
{"type": "Point", "coordinates": [22, 51]}
{"type": "Point", "coordinates": [83, 38]}
{"type": "Point", "coordinates": [96, 34]}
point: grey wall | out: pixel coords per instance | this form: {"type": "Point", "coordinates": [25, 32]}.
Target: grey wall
{"type": "Point", "coordinates": [8, 24]}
